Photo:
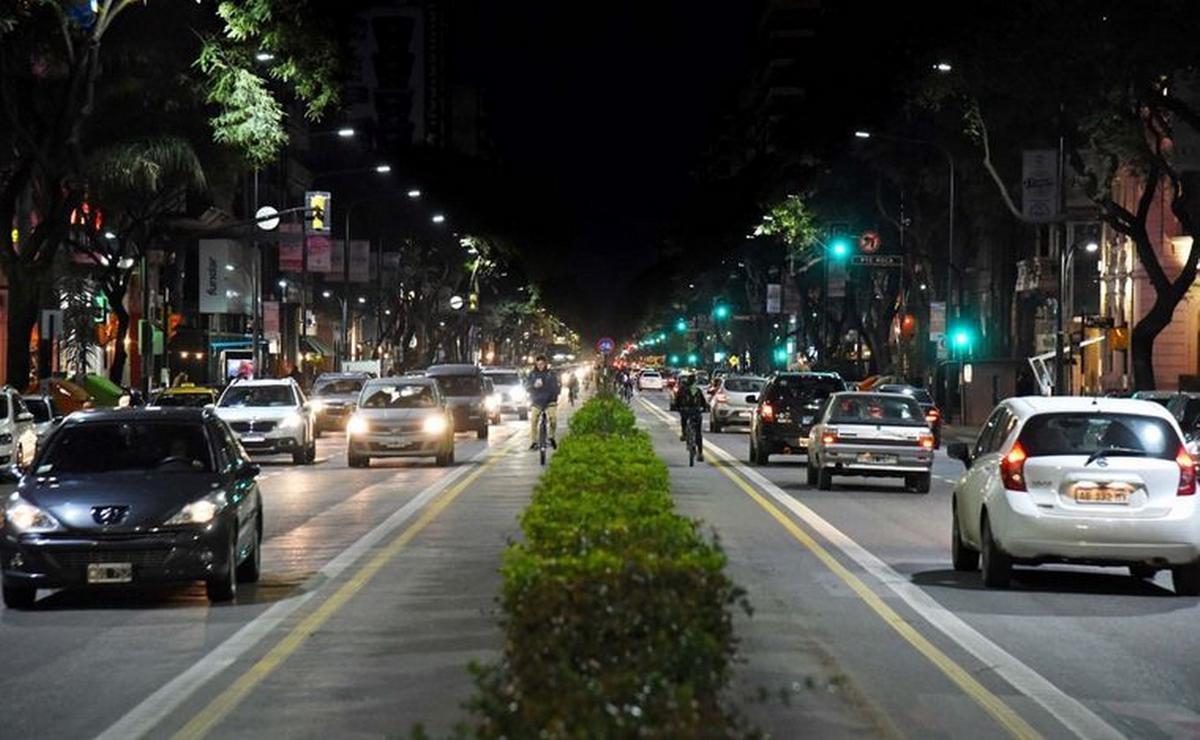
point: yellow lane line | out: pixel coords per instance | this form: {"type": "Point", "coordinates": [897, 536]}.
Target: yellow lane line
{"type": "Point", "coordinates": [220, 707]}
{"type": "Point", "coordinates": [1007, 718]}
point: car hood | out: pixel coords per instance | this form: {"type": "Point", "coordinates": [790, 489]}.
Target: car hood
{"type": "Point", "coordinates": [246, 413]}
{"type": "Point", "coordinates": [339, 399]}
{"type": "Point", "coordinates": [397, 414]}
{"type": "Point", "coordinates": [464, 400]}
{"type": "Point", "coordinates": [152, 497]}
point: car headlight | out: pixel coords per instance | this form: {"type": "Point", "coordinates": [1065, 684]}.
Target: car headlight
{"type": "Point", "coordinates": [291, 421]}
{"type": "Point", "coordinates": [434, 424]}
{"type": "Point", "coordinates": [201, 511]}
{"type": "Point", "coordinates": [492, 402]}
{"type": "Point", "coordinates": [518, 394]}
{"type": "Point", "coordinates": [23, 516]}
{"type": "Point", "coordinates": [316, 405]}
{"type": "Point", "coordinates": [357, 425]}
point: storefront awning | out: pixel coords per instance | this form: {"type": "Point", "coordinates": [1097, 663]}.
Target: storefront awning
{"type": "Point", "coordinates": [313, 346]}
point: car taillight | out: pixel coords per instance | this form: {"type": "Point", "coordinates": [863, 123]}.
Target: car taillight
{"type": "Point", "coordinates": [721, 398]}
{"type": "Point", "coordinates": [932, 416]}
{"type": "Point", "coordinates": [1187, 473]}
{"type": "Point", "coordinates": [829, 437]}
{"type": "Point", "coordinates": [766, 413]}
{"type": "Point", "coordinates": [926, 441]}
{"type": "Point", "coordinates": [1012, 469]}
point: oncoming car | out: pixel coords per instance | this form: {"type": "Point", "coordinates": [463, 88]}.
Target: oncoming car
{"type": "Point", "coordinates": [333, 398]}
{"type": "Point", "coordinates": [270, 417]}
{"type": "Point", "coordinates": [1094, 481]}
{"type": "Point", "coordinates": [400, 417]}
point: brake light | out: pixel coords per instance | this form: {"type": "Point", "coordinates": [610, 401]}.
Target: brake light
{"type": "Point", "coordinates": [1012, 469]}
{"type": "Point", "coordinates": [829, 437]}
{"type": "Point", "coordinates": [766, 413]}
{"type": "Point", "coordinates": [721, 398]}
{"type": "Point", "coordinates": [926, 441]}
{"type": "Point", "coordinates": [1187, 473]}
{"type": "Point", "coordinates": [932, 416]}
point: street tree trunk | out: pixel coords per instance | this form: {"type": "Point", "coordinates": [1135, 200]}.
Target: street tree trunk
{"type": "Point", "coordinates": [24, 309]}
{"type": "Point", "coordinates": [116, 299]}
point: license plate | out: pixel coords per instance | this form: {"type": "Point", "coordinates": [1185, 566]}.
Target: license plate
{"type": "Point", "coordinates": [110, 572]}
{"type": "Point", "coordinates": [1105, 495]}
{"type": "Point", "coordinates": [253, 439]}
{"type": "Point", "coordinates": [867, 457]}
{"type": "Point", "coordinates": [806, 420]}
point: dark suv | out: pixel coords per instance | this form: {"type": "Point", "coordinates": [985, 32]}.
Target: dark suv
{"type": "Point", "coordinates": [787, 408]}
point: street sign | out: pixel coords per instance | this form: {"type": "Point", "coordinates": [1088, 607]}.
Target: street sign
{"type": "Point", "coordinates": [877, 260]}
{"type": "Point", "coordinates": [606, 345]}
{"type": "Point", "coordinates": [267, 218]}
{"type": "Point", "coordinates": [774, 298]}
{"type": "Point", "coordinates": [456, 302]}
{"type": "Point", "coordinates": [317, 217]}
{"type": "Point", "coordinates": [870, 242]}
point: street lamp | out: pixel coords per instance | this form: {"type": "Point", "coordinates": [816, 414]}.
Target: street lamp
{"type": "Point", "coordinates": [943, 67]}
{"type": "Point", "coordinates": [346, 132]}
{"type": "Point", "coordinates": [414, 193]}
{"type": "Point", "coordinates": [383, 169]}
{"type": "Point", "coordinates": [1065, 267]}
{"type": "Point", "coordinates": [438, 218]}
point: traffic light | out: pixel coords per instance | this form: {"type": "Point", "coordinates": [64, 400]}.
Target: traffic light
{"type": "Point", "coordinates": [781, 355]}
{"type": "Point", "coordinates": [962, 336]}
{"type": "Point", "coordinates": [473, 302]}
{"type": "Point", "coordinates": [317, 217]}
{"type": "Point", "coordinates": [681, 325]}
{"type": "Point", "coordinates": [693, 358]}
{"type": "Point", "coordinates": [839, 248]}
{"type": "Point", "coordinates": [721, 312]}
{"type": "Point", "coordinates": [674, 359]}
{"type": "Point", "coordinates": [99, 308]}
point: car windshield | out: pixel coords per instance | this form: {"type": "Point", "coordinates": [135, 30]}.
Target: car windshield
{"type": "Point", "coordinates": [193, 400]}
{"type": "Point", "coordinates": [875, 409]}
{"type": "Point", "coordinates": [743, 385]}
{"type": "Point", "coordinates": [461, 385]}
{"type": "Point", "coordinates": [398, 396]}
{"type": "Point", "coordinates": [111, 447]}
{"type": "Point", "coordinates": [258, 395]}
{"type": "Point", "coordinates": [340, 387]}
{"type": "Point", "coordinates": [40, 410]}
{"type": "Point", "coordinates": [805, 389]}
{"type": "Point", "coordinates": [1086, 433]}
{"type": "Point", "coordinates": [505, 378]}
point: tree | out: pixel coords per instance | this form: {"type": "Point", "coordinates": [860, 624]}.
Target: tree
{"type": "Point", "coordinates": [57, 63]}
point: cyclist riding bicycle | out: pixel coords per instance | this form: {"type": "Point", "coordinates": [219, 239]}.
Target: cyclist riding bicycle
{"type": "Point", "coordinates": [543, 388]}
{"type": "Point", "coordinates": [690, 403]}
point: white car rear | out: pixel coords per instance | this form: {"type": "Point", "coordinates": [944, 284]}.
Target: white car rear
{"type": "Point", "coordinates": [650, 380]}
{"type": "Point", "coordinates": [1078, 480]}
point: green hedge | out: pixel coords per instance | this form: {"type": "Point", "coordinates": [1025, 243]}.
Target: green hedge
{"type": "Point", "coordinates": [618, 613]}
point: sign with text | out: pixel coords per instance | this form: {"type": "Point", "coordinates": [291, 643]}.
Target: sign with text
{"type": "Point", "coordinates": [360, 262]}
{"type": "Point", "coordinates": [1039, 184]}
{"type": "Point", "coordinates": [222, 290]}
{"type": "Point", "coordinates": [270, 313]}
{"type": "Point", "coordinates": [320, 254]}
{"type": "Point", "coordinates": [291, 248]}
{"type": "Point", "coordinates": [877, 260]}
{"type": "Point", "coordinates": [774, 298]}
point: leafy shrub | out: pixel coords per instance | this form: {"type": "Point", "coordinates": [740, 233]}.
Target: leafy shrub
{"type": "Point", "coordinates": [618, 613]}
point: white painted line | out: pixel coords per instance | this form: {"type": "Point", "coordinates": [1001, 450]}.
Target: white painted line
{"type": "Point", "coordinates": [148, 714]}
{"type": "Point", "coordinates": [1076, 717]}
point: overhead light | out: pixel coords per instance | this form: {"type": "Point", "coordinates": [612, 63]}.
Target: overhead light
{"type": "Point", "coordinates": [229, 267]}
{"type": "Point", "coordinates": [383, 169]}
{"type": "Point", "coordinates": [943, 67]}
{"type": "Point", "coordinates": [414, 193]}
{"type": "Point", "coordinates": [283, 283]}
{"type": "Point", "coordinates": [1092, 247]}
{"type": "Point", "coordinates": [862, 134]}
{"type": "Point", "coordinates": [326, 294]}
{"type": "Point", "coordinates": [438, 218]}
{"type": "Point", "coordinates": [362, 299]}
{"type": "Point", "coordinates": [125, 263]}
{"type": "Point", "coordinates": [109, 235]}
{"type": "Point", "coordinates": [264, 56]}
{"type": "Point", "coordinates": [346, 132]}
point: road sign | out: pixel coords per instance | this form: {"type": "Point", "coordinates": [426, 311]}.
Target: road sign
{"type": "Point", "coordinates": [317, 216]}
{"type": "Point", "coordinates": [877, 260]}
{"type": "Point", "coordinates": [456, 302]}
{"type": "Point", "coordinates": [606, 345]}
{"type": "Point", "coordinates": [870, 242]}
{"type": "Point", "coordinates": [267, 218]}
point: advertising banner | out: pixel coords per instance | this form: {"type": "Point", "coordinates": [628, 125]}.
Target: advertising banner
{"type": "Point", "coordinates": [270, 312]}
{"type": "Point", "coordinates": [1039, 184]}
{"type": "Point", "coordinates": [360, 262]}
{"type": "Point", "coordinates": [320, 254]}
{"type": "Point", "coordinates": [222, 289]}
{"type": "Point", "coordinates": [291, 248]}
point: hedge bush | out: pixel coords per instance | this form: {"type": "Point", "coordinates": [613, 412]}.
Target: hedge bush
{"type": "Point", "coordinates": [618, 613]}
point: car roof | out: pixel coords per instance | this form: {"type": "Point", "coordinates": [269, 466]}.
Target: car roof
{"type": "Point", "coordinates": [264, 382]}
{"type": "Point", "coordinates": [343, 376]}
{"type": "Point", "coordinates": [181, 390]}
{"type": "Point", "coordinates": [141, 413]}
{"type": "Point", "coordinates": [497, 370]}
{"type": "Point", "coordinates": [434, 371]}
{"type": "Point", "coordinates": [402, 380]}
{"type": "Point", "coordinates": [1031, 405]}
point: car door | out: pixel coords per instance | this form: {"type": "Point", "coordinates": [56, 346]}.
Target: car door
{"type": "Point", "coordinates": [242, 492]}
{"type": "Point", "coordinates": [974, 487]}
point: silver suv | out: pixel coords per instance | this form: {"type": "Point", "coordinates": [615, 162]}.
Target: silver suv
{"type": "Point", "coordinates": [270, 417]}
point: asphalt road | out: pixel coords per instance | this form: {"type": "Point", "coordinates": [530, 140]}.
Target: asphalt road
{"type": "Point", "coordinates": [879, 616]}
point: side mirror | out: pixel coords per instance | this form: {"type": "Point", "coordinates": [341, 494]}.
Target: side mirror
{"type": "Point", "coordinates": [24, 416]}
{"type": "Point", "coordinates": [752, 399]}
{"type": "Point", "coordinates": [248, 471]}
{"type": "Point", "coordinates": [959, 451]}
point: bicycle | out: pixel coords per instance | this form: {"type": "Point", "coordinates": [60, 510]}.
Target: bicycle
{"type": "Point", "coordinates": [626, 393]}
{"type": "Point", "coordinates": [692, 437]}
{"type": "Point", "coordinates": [543, 436]}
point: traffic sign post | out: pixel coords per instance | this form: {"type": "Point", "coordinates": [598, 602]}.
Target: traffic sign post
{"type": "Point", "coordinates": [606, 345]}
{"type": "Point", "coordinates": [877, 260]}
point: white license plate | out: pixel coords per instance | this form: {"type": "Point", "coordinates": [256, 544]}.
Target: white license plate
{"type": "Point", "coordinates": [109, 572]}
{"type": "Point", "coordinates": [873, 459]}
{"type": "Point", "coordinates": [1102, 495]}
{"type": "Point", "coordinates": [253, 439]}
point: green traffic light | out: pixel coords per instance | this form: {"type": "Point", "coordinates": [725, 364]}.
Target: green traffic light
{"type": "Point", "coordinates": [693, 359]}
{"type": "Point", "coordinates": [781, 355]}
{"type": "Point", "coordinates": [721, 311]}
{"type": "Point", "coordinates": [674, 359]}
{"type": "Point", "coordinates": [681, 325]}
{"type": "Point", "coordinates": [962, 337]}
{"type": "Point", "coordinates": [839, 248]}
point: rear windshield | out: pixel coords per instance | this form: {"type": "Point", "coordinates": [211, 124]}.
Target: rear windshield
{"type": "Point", "coordinates": [40, 410]}
{"type": "Point", "coordinates": [876, 409]}
{"type": "Point", "coordinates": [505, 378]}
{"type": "Point", "coordinates": [193, 400]}
{"type": "Point", "coordinates": [338, 387]}
{"type": "Point", "coordinates": [258, 395]}
{"type": "Point", "coordinates": [110, 447]}
{"type": "Point", "coordinates": [651, 374]}
{"type": "Point", "coordinates": [1190, 414]}
{"type": "Point", "coordinates": [461, 385]}
{"type": "Point", "coordinates": [1085, 433]}
{"type": "Point", "coordinates": [743, 385]}
{"type": "Point", "coordinates": [805, 389]}
{"type": "Point", "coordinates": [398, 396]}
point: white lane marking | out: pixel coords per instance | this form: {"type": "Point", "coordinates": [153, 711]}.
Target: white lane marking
{"type": "Point", "coordinates": [1076, 717]}
{"type": "Point", "coordinates": [152, 710]}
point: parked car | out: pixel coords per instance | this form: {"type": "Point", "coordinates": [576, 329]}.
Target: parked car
{"type": "Point", "coordinates": [400, 417]}
{"type": "Point", "coordinates": [333, 398]}
{"type": "Point", "coordinates": [18, 433]}
{"type": "Point", "coordinates": [871, 435]}
{"type": "Point", "coordinates": [1185, 407]}
{"type": "Point", "coordinates": [45, 415]}
{"type": "Point", "coordinates": [785, 412]}
{"type": "Point", "coordinates": [1162, 398]}
{"type": "Point", "coordinates": [733, 401]}
{"type": "Point", "coordinates": [1096, 481]}
{"type": "Point", "coordinates": [650, 380]}
{"type": "Point", "coordinates": [270, 417]}
{"type": "Point", "coordinates": [135, 496]}
{"type": "Point", "coordinates": [508, 383]}
{"type": "Point", "coordinates": [933, 415]}
{"type": "Point", "coordinates": [462, 387]}
{"type": "Point", "coordinates": [187, 394]}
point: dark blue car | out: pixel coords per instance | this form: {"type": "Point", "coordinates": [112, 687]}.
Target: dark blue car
{"type": "Point", "coordinates": [133, 496]}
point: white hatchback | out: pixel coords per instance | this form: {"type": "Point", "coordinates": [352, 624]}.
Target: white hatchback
{"type": "Point", "coordinates": [650, 380]}
{"type": "Point", "coordinates": [1095, 481]}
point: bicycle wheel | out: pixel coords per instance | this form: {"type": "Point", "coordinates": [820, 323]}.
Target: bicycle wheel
{"type": "Point", "coordinates": [691, 444]}
{"type": "Point", "coordinates": [542, 439]}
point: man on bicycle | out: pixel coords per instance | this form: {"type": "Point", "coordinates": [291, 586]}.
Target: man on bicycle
{"type": "Point", "coordinates": [691, 404]}
{"type": "Point", "coordinates": [543, 388]}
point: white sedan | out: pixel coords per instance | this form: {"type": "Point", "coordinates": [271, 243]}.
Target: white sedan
{"type": "Point", "coordinates": [650, 380]}
{"type": "Point", "coordinates": [1095, 481]}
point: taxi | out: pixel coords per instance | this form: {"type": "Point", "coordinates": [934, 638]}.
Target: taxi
{"type": "Point", "coordinates": [187, 395]}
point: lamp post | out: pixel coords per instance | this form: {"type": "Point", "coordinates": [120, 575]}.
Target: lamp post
{"type": "Point", "coordinates": [1066, 264]}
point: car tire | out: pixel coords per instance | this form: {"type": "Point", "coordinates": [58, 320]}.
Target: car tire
{"type": "Point", "coordinates": [357, 461]}
{"type": "Point", "coordinates": [445, 459]}
{"type": "Point", "coordinates": [482, 432]}
{"type": "Point", "coordinates": [824, 479]}
{"type": "Point", "coordinates": [918, 483]}
{"type": "Point", "coordinates": [964, 557]}
{"type": "Point", "coordinates": [1186, 579]}
{"type": "Point", "coordinates": [250, 569]}
{"type": "Point", "coordinates": [19, 457]}
{"type": "Point", "coordinates": [713, 425]}
{"type": "Point", "coordinates": [523, 415]}
{"type": "Point", "coordinates": [811, 471]}
{"type": "Point", "coordinates": [1143, 572]}
{"type": "Point", "coordinates": [996, 564]}
{"type": "Point", "coordinates": [19, 596]}
{"type": "Point", "coordinates": [223, 587]}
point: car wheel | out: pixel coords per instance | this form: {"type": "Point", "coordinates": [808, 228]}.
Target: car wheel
{"type": "Point", "coordinates": [1186, 579]}
{"type": "Point", "coordinates": [357, 461]}
{"type": "Point", "coordinates": [964, 557]}
{"type": "Point", "coordinates": [996, 564]}
{"type": "Point", "coordinates": [523, 415]}
{"type": "Point", "coordinates": [19, 596]}
{"type": "Point", "coordinates": [824, 479]}
{"type": "Point", "coordinates": [445, 458]}
{"type": "Point", "coordinates": [299, 456]}
{"type": "Point", "coordinates": [250, 569]}
{"type": "Point", "coordinates": [223, 587]}
{"type": "Point", "coordinates": [918, 483]}
{"type": "Point", "coordinates": [811, 471]}
{"type": "Point", "coordinates": [713, 425]}
{"type": "Point", "coordinates": [482, 432]}
{"type": "Point", "coordinates": [1142, 572]}
{"type": "Point", "coordinates": [19, 458]}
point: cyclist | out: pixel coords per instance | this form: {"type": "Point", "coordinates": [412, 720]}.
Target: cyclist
{"type": "Point", "coordinates": [690, 403]}
{"type": "Point", "coordinates": [543, 387]}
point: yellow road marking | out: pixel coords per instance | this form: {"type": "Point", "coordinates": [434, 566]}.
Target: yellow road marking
{"type": "Point", "coordinates": [1007, 718]}
{"type": "Point", "coordinates": [220, 707]}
